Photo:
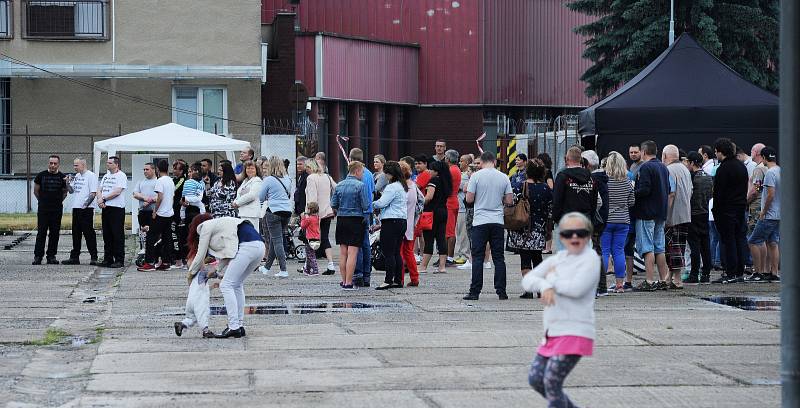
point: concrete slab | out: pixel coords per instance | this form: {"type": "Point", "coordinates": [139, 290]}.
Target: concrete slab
{"type": "Point", "coordinates": [184, 382]}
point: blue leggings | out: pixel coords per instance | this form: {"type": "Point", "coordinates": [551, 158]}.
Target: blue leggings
{"type": "Point", "coordinates": [547, 375]}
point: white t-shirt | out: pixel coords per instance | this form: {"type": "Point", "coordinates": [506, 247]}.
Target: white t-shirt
{"type": "Point", "coordinates": [82, 186]}
{"type": "Point", "coordinates": [489, 186]}
{"type": "Point", "coordinates": [166, 187]}
{"type": "Point", "coordinates": [113, 181]}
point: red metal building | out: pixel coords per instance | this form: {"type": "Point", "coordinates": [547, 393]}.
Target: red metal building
{"type": "Point", "coordinates": [395, 75]}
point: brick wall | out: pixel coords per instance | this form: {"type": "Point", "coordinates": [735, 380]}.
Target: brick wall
{"type": "Point", "coordinates": [280, 71]}
{"type": "Point", "coordinates": [458, 126]}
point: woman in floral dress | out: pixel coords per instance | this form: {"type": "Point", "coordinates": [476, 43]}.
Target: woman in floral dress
{"type": "Point", "coordinates": [222, 194]}
{"type": "Point", "coordinates": [530, 241]}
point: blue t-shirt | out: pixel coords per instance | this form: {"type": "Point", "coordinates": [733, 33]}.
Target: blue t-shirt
{"type": "Point", "coordinates": [193, 187]}
{"type": "Point", "coordinates": [247, 233]}
{"type": "Point", "coordinates": [772, 179]}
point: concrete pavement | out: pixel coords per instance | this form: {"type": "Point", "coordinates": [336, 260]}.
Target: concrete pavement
{"type": "Point", "coordinates": [422, 347]}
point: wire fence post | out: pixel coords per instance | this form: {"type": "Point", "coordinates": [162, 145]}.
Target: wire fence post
{"type": "Point", "coordinates": [28, 169]}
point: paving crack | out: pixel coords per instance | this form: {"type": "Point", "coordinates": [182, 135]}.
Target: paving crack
{"type": "Point", "coordinates": [427, 399]}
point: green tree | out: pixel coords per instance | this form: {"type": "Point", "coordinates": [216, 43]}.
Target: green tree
{"type": "Point", "coordinates": [627, 35]}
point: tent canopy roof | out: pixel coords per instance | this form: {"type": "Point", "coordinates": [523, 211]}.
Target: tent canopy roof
{"type": "Point", "coordinates": [171, 137]}
{"type": "Point", "coordinates": [685, 88]}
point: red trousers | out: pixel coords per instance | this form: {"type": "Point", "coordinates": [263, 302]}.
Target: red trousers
{"type": "Point", "coordinates": [409, 262]}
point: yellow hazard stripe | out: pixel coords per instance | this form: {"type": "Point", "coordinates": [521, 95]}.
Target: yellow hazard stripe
{"type": "Point", "coordinates": [511, 153]}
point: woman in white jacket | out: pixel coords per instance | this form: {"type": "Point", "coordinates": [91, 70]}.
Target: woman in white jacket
{"type": "Point", "coordinates": [238, 247]}
{"type": "Point", "coordinates": [567, 282]}
{"type": "Point", "coordinates": [247, 201]}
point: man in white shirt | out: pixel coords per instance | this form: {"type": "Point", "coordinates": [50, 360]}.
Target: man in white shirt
{"type": "Point", "coordinates": [160, 227]}
{"type": "Point", "coordinates": [488, 190]}
{"type": "Point", "coordinates": [112, 203]}
{"type": "Point", "coordinates": [83, 187]}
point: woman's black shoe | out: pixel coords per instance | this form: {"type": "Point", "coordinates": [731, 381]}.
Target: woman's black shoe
{"type": "Point", "coordinates": [526, 295]}
{"type": "Point", "coordinates": [179, 328]}
{"type": "Point", "coordinates": [230, 333]}
{"type": "Point", "coordinates": [397, 285]}
{"type": "Point", "coordinates": [384, 286]}
{"type": "Point", "coordinates": [241, 329]}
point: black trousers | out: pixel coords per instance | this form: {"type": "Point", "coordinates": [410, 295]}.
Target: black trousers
{"type": "Point", "coordinates": [113, 219]}
{"type": "Point", "coordinates": [160, 233]}
{"type": "Point", "coordinates": [392, 232]}
{"type": "Point", "coordinates": [699, 244]}
{"type": "Point", "coordinates": [492, 234]}
{"type": "Point", "coordinates": [48, 226]}
{"type": "Point", "coordinates": [602, 284]}
{"type": "Point", "coordinates": [183, 231]}
{"type": "Point", "coordinates": [436, 233]}
{"type": "Point", "coordinates": [529, 259]}
{"type": "Point", "coordinates": [732, 230]}
{"type": "Point", "coordinates": [83, 227]}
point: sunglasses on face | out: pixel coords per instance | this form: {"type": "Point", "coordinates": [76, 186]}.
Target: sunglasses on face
{"type": "Point", "coordinates": [581, 233]}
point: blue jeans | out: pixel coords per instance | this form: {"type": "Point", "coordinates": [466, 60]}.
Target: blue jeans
{"type": "Point", "coordinates": [715, 246]}
{"type": "Point", "coordinates": [765, 231]}
{"type": "Point", "coordinates": [493, 234]}
{"type": "Point", "coordinates": [650, 237]}
{"type": "Point", "coordinates": [364, 262]}
{"type": "Point", "coordinates": [612, 242]}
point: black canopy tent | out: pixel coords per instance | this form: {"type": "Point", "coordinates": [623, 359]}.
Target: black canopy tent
{"type": "Point", "coordinates": [686, 97]}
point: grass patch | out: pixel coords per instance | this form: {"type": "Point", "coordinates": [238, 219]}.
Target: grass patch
{"type": "Point", "coordinates": [27, 221]}
{"type": "Point", "coordinates": [98, 337]}
{"type": "Point", "coordinates": [51, 336]}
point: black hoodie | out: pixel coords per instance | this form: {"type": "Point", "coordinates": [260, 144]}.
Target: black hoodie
{"type": "Point", "coordinates": [574, 190]}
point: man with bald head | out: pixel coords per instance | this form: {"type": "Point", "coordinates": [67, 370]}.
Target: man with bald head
{"type": "Point", "coordinates": [679, 214]}
{"type": "Point", "coordinates": [754, 188]}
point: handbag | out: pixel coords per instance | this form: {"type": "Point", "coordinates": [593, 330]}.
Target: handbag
{"type": "Point", "coordinates": [314, 244]}
{"type": "Point", "coordinates": [518, 216]}
{"type": "Point", "coordinates": [425, 221]}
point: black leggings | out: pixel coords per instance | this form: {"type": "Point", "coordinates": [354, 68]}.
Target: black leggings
{"type": "Point", "coordinates": [392, 232]}
{"type": "Point", "coordinates": [324, 237]}
{"type": "Point", "coordinates": [529, 259]}
{"type": "Point", "coordinates": [437, 232]}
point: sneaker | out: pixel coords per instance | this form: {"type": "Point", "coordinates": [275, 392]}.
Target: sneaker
{"type": "Point", "coordinates": [436, 264]}
{"type": "Point", "coordinates": [179, 328]}
{"type": "Point", "coordinates": [449, 263]}
{"type": "Point", "coordinates": [71, 261]}
{"type": "Point", "coordinates": [645, 286]}
{"type": "Point", "coordinates": [281, 274]}
{"type": "Point", "coordinates": [734, 279]}
{"type": "Point", "coordinates": [722, 279]}
{"type": "Point", "coordinates": [772, 278]}
{"type": "Point", "coordinates": [673, 286]}
{"type": "Point", "coordinates": [705, 279]}
{"type": "Point", "coordinates": [612, 287]}
{"type": "Point", "coordinates": [618, 289]}
{"type": "Point", "coordinates": [661, 285]}
{"type": "Point", "coordinates": [348, 287]}
{"type": "Point", "coordinates": [164, 267]}
{"type": "Point", "coordinates": [417, 258]}
{"type": "Point", "coordinates": [601, 293]}
{"type": "Point", "coordinates": [627, 286]}
{"type": "Point", "coordinates": [691, 280]}
{"type": "Point", "coordinates": [263, 269]}
{"type": "Point", "coordinates": [176, 266]}
{"type": "Point", "coordinates": [329, 271]}
{"type": "Point", "coordinates": [146, 267]}
{"type": "Point", "coordinates": [52, 261]}
{"type": "Point", "coordinates": [487, 265]}
{"type": "Point", "coordinates": [754, 278]}
{"type": "Point", "coordinates": [460, 260]}
{"type": "Point", "coordinates": [466, 266]}
{"type": "Point", "coordinates": [117, 264]}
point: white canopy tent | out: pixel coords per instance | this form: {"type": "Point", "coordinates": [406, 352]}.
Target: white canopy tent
{"type": "Point", "coordinates": [168, 138]}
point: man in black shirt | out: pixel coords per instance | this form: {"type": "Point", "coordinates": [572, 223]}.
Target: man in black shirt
{"type": "Point", "coordinates": [301, 183]}
{"type": "Point", "coordinates": [730, 203]}
{"type": "Point", "coordinates": [50, 188]}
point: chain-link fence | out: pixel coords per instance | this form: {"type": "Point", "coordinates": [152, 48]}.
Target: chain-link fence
{"type": "Point", "coordinates": [23, 156]}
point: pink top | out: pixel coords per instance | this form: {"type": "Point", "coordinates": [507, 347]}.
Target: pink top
{"type": "Point", "coordinates": [566, 345]}
{"type": "Point", "coordinates": [310, 223]}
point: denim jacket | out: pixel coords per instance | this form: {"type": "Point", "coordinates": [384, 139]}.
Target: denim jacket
{"type": "Point", "coordinates": [348, 198]}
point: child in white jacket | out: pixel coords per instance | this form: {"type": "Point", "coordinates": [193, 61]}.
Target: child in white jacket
{"type": "Point", "coordinates": [567, 282]}
{"type": "Point", "coordinates": [197, 302]}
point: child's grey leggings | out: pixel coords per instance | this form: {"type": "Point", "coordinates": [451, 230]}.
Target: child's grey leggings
{"type": "Point", "coordinates": [547, 375]}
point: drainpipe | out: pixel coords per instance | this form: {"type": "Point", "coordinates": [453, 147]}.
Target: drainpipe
{"type": "Point", "coordinates": [789, 148]}
{"type": "Point", "coordinates": [113, 32]}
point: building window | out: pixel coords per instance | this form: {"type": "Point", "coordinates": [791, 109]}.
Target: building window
{"type": "Point", "coordinates": [201, 108]}
{"type": "Point", "coordinates": [5, 19]}
{"type": "Point", "coordinates": [5, 126]}
{"type": "Point", "coordinates": [66, 19]}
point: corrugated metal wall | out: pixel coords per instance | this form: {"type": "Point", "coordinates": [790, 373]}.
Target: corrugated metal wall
{"type": "Point", "coordinates": [532, 57]}
{"type": "Point", "coordinates": [304, 64]}
{"type": "Point", "coordinates": [368, 71]}
{"type": "Point", "coordinates": [508, 52]}
{"type": "Point", "coordinates": [447, 32]}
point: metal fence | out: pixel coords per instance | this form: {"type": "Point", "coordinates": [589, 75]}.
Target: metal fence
{"type": "Point", "coordinates": [23, 156]}
{"type": "Point", "coordinates": [553, 137]}
{"type": "Point", "coordinates": [66, 19]}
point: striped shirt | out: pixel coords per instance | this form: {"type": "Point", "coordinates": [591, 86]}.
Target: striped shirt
{"type": "Point", "coordinates": [620, 200]}
{"type": "Point", "coordinates": [193, 188]}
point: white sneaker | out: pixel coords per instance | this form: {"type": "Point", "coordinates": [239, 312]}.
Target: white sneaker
{"type": "Point", "coordinates": [465, 265]}
{"type": "Point", "coordinates": [331, 266]}
{"type": "Point", "coordinates": [263, 270]}
{"type": "Point", "coordinates": [487, 265]}
{"type": "Point", "coordinates": [281, 274]}
{"type": "Point", "coordinates": [418, 259]}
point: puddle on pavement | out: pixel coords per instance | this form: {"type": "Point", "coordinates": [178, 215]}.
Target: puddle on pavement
{"type": "Point", "coordinates": [307, 308]}
{"type": "Point", "coordinates": [756, 303]}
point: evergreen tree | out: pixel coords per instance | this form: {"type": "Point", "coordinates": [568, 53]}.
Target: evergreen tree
{"type": "Point", "coordinates": [627, 35]}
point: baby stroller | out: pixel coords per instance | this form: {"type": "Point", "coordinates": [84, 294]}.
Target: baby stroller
{"type": "Point", "coordinates": [290, 242]}
{"type": "Point", "coordinates": [378, 260]}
